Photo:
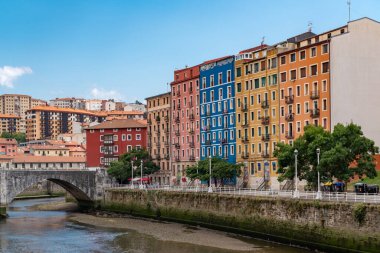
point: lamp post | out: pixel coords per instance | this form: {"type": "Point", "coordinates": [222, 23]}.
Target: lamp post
{"type": "Point", "coordinates": [132, 186]}
{"type": "Point", "coordinates": [197, 185]}
{"type": "Point", "coordinates": [210, 187]}
{"type": "Point", "coordinates": [141, 175]}
{"type": "Point", "coordinates": [319, 193]}
{"type": "Point", "coordinates": [296, 192]}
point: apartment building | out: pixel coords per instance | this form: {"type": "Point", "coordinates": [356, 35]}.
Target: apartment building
{"type": "Point", "coordinates": [93, 104]}
{"type": "Point", "coordinates": [16, 104]}
{"type": "Point", "coordinates": [257, 113]}
{"type": "Point", "coordinates": [38, 102]}
{"type": "Point", "coordinates": [8, 147]}
{"type": "Point", "coordinates": [74, 103]}
{"type": "Point", "coordinates": [159, 135]}
{"type": "Point", "coordinates": [47, 122]}
{"type": "Point", "coordinates": [135, 107]}
{"type": "Point", "coordinates": [108, 140]}
{"type": "Point", "coordinates": [9, 123]}
{"type": "Point", "coordinates": [185, 130]}
{"type": "Point", "coordinates": [218, 109]}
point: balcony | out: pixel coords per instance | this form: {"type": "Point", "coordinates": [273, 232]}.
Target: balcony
{"type": "Point", "coordinates": [166, 118]}
{"type": "Point", "coordinates": [289, 135]}
{"type": "Point", "coordinates": [167, 144]}
{"type": "Point", "coordinates": [289, 116]}
{"type": "Point", "coordinates": [265, 154]}
{"type": "Point", "coordinates": [176, 145]}
{"type": "Point", "coordinates": [206, 128]}
{"type": "Point", "coordinates": [208, 142]}
{"type": "Point", "coordinates": [177, 133]}
{"type": "Point", "coordinates": [192, 158]}
{"type": "Point", "coordinates": [245, 155]}
{"type": "Point", "coordinates": [158, 119]}
{"type": "Point", "coordinates": [190, 90]}
{"type": "Point", "coordinates": [225, 111]}
{"type": "Point", "coordinates": [224, 141]}
{"type": "Point", "coordinates": [158, 157]}
{"type": "Point", "coordinates": [244, 139]}
{"type": "Point", "coordinates": [178, 107]}
{"type": "Point", "coordinates": [265, 120]}
{"type": "Point", "coordinates": [177, 120]}
{"type": "Point", "coordinates": [314, 94]}
{"type": "Point", "coordinates": [265, 137]}
{"type": "Point", "coordinates": [158, 144]}
{"type": "Point", "coordinates": [191, 131]}
{"type": "Point", "coordinates": [244, 124]}
{"type": "Point", "coordinates": [314, 113]}
{"type": "Point", "coordinates": [167, 130]}
{"type": "Point", "coordinates": [265, 104]}
{"type": "Point", "coordinates": [244, 107]}
{"type": "Point", "coordinates": [208, 113]}
{"type": "Point", "coordinates": [167, 157]}
{"type": "Point", "coordinates": [149, 122]}
{"type": "Point", "coordinates": [178, 93]}
{"type": "Point", "coordinates": [191, 144]}
{"type": "Point", "coordinates": [177, 159]}
{"type": "Point", "coordinates": [191, 117]}
{"type": "Point", "coordinates": [289, 99]}
{"type": "Point", "coordinates": [191, 105]}
{"type": "Point", "coordinates": [225, 126]}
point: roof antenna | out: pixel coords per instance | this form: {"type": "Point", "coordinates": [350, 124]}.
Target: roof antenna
{"type": "Point", "coordinates": [262, 40]}
{"type": "Point", "coordinates": [310, 26]}
{"type": "Point", "coordinates": [349, 10]}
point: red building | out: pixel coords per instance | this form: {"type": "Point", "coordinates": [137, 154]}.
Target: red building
{"type": "Point", "coordinates": [107, 140]}
{"type": "Point", "coordinates": [8, 146]}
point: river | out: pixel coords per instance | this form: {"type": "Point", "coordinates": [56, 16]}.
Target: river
{"type": "Point", "coordinates": [27, 231]}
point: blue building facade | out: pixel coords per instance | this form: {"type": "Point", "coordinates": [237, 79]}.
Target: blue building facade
{"type": "Point", "coordinates": [217, 109]}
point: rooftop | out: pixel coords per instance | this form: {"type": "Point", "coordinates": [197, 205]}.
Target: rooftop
{"type": "Point", "coordinates": [47, 159]}
{"type": "Point", "coordinates": [217, 59]}
{"type": "Point", "coordinates": [2, 115]}
{"type": "Point", "coordinates": [254, 49]}
{"type": "Point", "coordinates": [67, 110]}
{"type": "Point", "coordinates": [118, 123]}
{"type": "Point", "coordinates": [49, 147]}
{"type": "Point", "coordinates": [8, 141]}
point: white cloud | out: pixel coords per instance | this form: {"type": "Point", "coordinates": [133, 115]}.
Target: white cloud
{"type": "Point", "coordinates": [9, 74]}
{"type": "Point", "coordinates": [105, 94]}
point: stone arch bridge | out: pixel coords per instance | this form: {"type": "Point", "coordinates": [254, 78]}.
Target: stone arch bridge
{"type": "Point", "coordinates": [86, 186]}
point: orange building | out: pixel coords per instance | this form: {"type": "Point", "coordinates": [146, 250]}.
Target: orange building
{"type": "Point", "coordinates": [304, 78]}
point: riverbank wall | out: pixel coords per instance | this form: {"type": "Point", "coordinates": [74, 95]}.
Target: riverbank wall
{"type": "Point", "coordinates": [328, 226]}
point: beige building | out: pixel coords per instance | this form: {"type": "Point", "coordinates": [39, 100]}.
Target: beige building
{"type": "Point", "coordinates": [16, 104]}
{"type": "Point", "coordinates": [9, 123]}
{"type": "Point", "coordinates": [38, 102]}
{"type": "Point", "coordinates": [159, 135]}
{"type": "Point", "coordinates": [49, 150]}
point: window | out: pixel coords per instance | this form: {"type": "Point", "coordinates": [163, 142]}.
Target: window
{"type": "Point", "coordinates": [325, 67]}
{"type": "Point", "coordinates": [228, 76]}
{"type": "Point", "coordinates": [211, 80]}
{"type": "Point", "coordinates": [324, 104]}
{"type": "Point", "coordinates": [303, 55]}
{"type": "Point", "coordinates": [203, 82]}
{"type": "Point", "coordinates": [238, 87]}
{"type": "Point", "coordinates": [324, 85]}
{"type": "Point", "coordinates": [238, 72]}
{"type": "Point", "coordinates": [306, 107]}
{"type": "Point", "coordinates": [115, 137]}
{"type": "Point", "coordinates": [123, 137]}
{"type": "Point", "coordinates": [129, 137]}
{"type": "Point", "coordinates": [313, 52]}
{"type": "Point", "coordinates": [138, 137]}
{"type": "Point", "coordinates": [298, 109]}
{"type": "Point", "coordinates": [303, 72]}
{"type": "Point", "coordinates": [257, 83]}
{"type": "Point", "coordinates": [314, 70]}
{"type": "Point", "coordinates": [293, 57]}
{"type": "Point", "coordinates": [283, 77]}
{"type": "Point", "coordinates": [298, 90]}
{"type": "Point", "coordinates": [220, 78]}
{"type": "Point", "coordinates": [283, 60]}
{"type": "Point", "coordinates": [325, 48]}
{"type": "Point", "coordinates": [293, 74]}
{"type": "Point", "coordinates": [101, 137]}
{"type": "Point", "coordinates": [115, 148]}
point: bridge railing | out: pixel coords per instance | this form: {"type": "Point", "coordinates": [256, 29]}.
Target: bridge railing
{"type": "Point", "coordinates": [310, 195]}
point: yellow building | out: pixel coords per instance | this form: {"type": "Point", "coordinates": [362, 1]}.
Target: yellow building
{"type": "Point", "coordinates": [257, 115]}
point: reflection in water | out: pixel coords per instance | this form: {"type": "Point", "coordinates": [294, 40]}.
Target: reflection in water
{"type": "Point", "coordinates": [50, 231]}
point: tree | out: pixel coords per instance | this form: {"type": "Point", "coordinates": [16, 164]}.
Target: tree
{"type": "Point", "coordinates": [121, 170]}
{"type": "Point", "coordinates": [20, 137]}
{"type": "Point", "coordinates": [343, 153]}
{"type": "Point", "coordinates": [221, 170]}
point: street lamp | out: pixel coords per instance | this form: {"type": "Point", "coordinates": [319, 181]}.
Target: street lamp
{"type": "Point", "coordinates": [296, 192]}
{"type": "Point", "coordinates": [141, 184]}
{"type": "Point", "coordinates": [210, 187]}
{"type": "Point", "coordinates": [132, 186]}
{"type": "Point", "coordinates": [197, 185]}
{"type": "Point", "coordinates": [319, 193]}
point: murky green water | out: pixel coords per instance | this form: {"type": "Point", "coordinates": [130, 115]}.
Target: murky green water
{"type": "Point", "coordinates": [51, 231]}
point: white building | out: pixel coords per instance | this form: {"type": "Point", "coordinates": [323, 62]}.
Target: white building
{"type": "Point", "coordinates": [135, 107]}
{"type": "Point", "coordinates": [94, 105]}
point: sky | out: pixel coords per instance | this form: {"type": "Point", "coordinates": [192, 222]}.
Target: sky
{"type": "Point", "coordinates": [128, 50]}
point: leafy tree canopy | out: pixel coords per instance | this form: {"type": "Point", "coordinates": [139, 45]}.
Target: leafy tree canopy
{"type": "Point", "coordinates": [343, 153]}
{"type": "Point", "coordinates": [220, 169]}
{"type": "Point", "coordinates": [20, 137]}
{"type": "Point", "coordinates": [121, 170]}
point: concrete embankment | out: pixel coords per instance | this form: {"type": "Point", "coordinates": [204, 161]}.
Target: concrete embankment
{"type": "Point", "coordinates": [328, 226]}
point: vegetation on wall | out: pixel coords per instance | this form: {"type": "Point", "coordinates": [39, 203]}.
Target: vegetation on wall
{"type": "Point", "coordinates": [121, 170]}
{"type": "Point", "coordinates": [343, 153]}
{"type": "Point", "coordinates": [20, 137]}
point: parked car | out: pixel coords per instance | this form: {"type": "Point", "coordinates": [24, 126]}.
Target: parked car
{"type": "Point", "coordinates": [366, 188]}
{"type": "Point", "coordinates": [334, 187]}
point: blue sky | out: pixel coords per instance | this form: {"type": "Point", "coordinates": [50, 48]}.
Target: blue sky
{"type": "Point", "coordinates": [129, 49]}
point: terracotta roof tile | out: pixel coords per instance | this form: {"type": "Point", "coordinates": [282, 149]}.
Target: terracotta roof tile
{"type": "Point", "coordinates": [48, 159]}
{"type": "Point", "coordinates": [119, 123]}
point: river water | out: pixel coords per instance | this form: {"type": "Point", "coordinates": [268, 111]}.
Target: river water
{"type": "Point", "coordinates": [27, 231]}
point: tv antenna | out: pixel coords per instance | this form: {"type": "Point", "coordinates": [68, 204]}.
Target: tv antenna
{"type": "Point", "coordinates": [310, 26]}
{"type": "Point", "coordinates": [349, 10]}
{"type": "Point", "coordinates": [262, 40]}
